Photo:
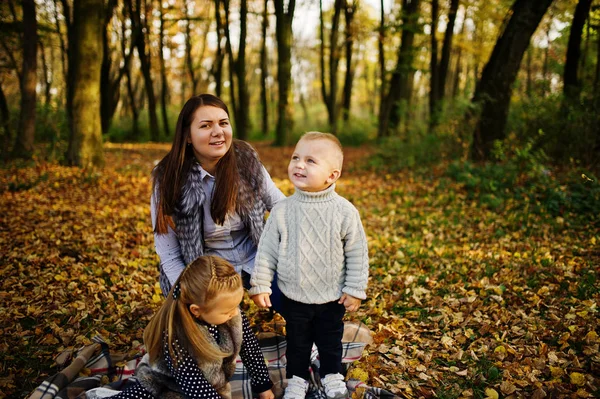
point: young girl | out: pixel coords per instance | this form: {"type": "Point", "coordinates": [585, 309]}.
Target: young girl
{"type": "Point", "coordinates": [193, 340]}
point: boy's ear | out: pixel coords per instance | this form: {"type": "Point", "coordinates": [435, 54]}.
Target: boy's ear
{"type": "Point", "coordinates": [333, 176]}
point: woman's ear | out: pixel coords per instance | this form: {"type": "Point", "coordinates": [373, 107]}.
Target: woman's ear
{"type": "Point", "coordinates": [195, 309]}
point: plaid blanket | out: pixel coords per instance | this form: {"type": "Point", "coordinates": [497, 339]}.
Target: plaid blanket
{"type": "Point", "coordinates": [108, 373]}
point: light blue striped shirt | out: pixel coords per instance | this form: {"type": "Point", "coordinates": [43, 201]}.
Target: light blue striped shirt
{"type": "Point", "coordinates": [230, 241]}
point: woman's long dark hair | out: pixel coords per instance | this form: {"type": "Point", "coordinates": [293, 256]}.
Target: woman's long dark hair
{"type": "Point", "coordinates": [171, 172]}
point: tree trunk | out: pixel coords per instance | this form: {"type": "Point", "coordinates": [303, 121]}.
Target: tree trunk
{"type": "Point", "coordinates": [399, 87]}
{"type": "Point", "coordinates": [493, 92]}
{"type": "Point", "coordinates": [433, 66]}
{"type": "Point", "coordinates": [109, 91]}
{"type": "Point", "coordinates": [164, 87]}
{"type": "Point", "coordinates": [46, 75]}
{"type": "Point", "coordinates": [145, 63]}
{"type": "Point", "coordinates": [243, 105]}
{"type": "Point", "coordinates": [597, 72]}
{"type": "Point", "coordinates": [23, 147]}
{"type": "Point", "coordinates": [231, 70]}
{"type": "Point", "coordinates": [5, 122]}
{"type": "Point", "coordinates": [381, 53]}
{"type": "Point", "coordinates": [26, 133]}
{"type": "Point", "coordinates": [349, 11]}
{"type": "Point", "coordinates": [217, 68]}
{"type": "Point", "coordinates": [283, 32]}
{"type": "Point", "coordinates": [264, 100]}
{"type": "Point", "coordinates": [329, 86]}
{"type": "Point", "coordinates": [572, 84]}
{"type": "Point", "coordinates": [189, 62]}
{"type": "Point", "coordinates": [458, 68]}
{"type": "Point", "coordinates": [445, 59]}
{"type": "Point", "coordinates": [546, 82]}
{"type": "Point", "coordinates": [85, 144]}
{"type": "Point", "coordinates": [64, 57]}
{"type": "Point", "coordinates": [129, 84]}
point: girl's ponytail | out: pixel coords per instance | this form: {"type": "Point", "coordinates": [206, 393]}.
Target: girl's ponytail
{"type": "Point", "coordinates": [198, 284]}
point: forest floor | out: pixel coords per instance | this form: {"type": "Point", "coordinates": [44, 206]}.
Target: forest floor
{"type": "Point", "coordinates": [463, 301]}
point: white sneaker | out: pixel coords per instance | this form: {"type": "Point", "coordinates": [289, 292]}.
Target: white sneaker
{"type": "Point", "coordinates": [296, 388]}
{"type": "Point", "coordinates": [335, 386]}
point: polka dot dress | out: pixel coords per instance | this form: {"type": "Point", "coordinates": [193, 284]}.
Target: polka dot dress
{"type": "Point", "coordinates": [190, 379]}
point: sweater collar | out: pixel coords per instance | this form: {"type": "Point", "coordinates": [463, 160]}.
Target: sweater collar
{"type": "Point", "coordinates": [318, 196]}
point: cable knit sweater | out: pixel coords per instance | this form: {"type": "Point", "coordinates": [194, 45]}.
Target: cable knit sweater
{"type": "Point", "coordinates": [316, 243]}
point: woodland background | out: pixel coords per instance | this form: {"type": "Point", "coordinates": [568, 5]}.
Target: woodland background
{"type": "Point", "coordinates": [472, 134]}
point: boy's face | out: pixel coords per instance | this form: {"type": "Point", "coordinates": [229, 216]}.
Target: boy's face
{"type": "Point", "coordinates": [314, 165]}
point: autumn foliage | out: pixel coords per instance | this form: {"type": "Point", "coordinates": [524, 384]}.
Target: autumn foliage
{"type": "Point", "coordinates": [464, 300]}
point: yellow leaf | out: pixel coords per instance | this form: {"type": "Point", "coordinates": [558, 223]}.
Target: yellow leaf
{"type": "Point", "coordinates": [556, 371]}
{"type": "Point", "coordinates": [491, 393]}
{"type": "Point", "coordinates": [156, 298]}
{"type": "Point", "coordinates": [577, 378]}
{"type": "Point", "coordinates": [358, 374]}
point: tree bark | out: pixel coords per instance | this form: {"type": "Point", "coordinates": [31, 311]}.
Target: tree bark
{"type": "Point", "coordinates": [243, 104]}
{"type": "Point", "coordinates": [349, 11]}
{"type": "Point", "coordinates": [493, 92]}
{"type": "Point", "coordinates": [145, 63]}
{"type": "Point", "coordinates": [85, 144]}
{"type": "Point", "coordinates": [164, 86]}
{"type": "Point", "coordinates": [231, 70]}
{"type": "Point", "coordinates": [572, 84]}
{"type": "Point", "coordinates": [329, 86]}
{"type": "Point", "coordinates": [109, 90]}
{"type": "Point", "coordinates": [447, 47]}
{"type": "Point", "coordinates": [399, 87]}
{"type": "Point", "coordinates": [381, 53]}
{"type": "Point", "coordinates": [217, 68]}
{"type": "Point", "coordinates": [189, 62]}
{"type": "Point", "coordinates": [264, 100]}
{"type": "Point", "coordinates": [46, 75]}
{"type": "Point", "coordinates": [26, 133]}
{"type": "Point", "coordinates": [283, 32]}
{"type": "Point", "coordinates": [433, 66]}
{"type": "Point", "coordinates": [5, 122]}
{"type": "Point", "coordinates": [127, 71]}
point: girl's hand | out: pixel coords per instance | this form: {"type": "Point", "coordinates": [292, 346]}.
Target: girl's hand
{"type": "Point", "coordinates": [266, 395]}
{"type": "Point", "coordinates": [350, 303]}
{"type": "Point", "coordinates": [262, 300]}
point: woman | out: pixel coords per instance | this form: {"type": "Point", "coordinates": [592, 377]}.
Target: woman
{"type": "Point", "coordinates": [210, 194]}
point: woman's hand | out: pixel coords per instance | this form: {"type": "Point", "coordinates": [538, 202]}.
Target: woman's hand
{"type": "Point", "coordinates": [350, 303]}
{"type": "Point", "coordinates": [262, 300]}
{"type": "Point", "coordinates": [266, 395]}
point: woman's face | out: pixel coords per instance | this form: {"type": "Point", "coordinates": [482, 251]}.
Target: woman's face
{"type": "Point", "coordinates": [210, 135]}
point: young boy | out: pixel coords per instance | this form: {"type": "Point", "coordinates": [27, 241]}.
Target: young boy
{"type": "Point", "coordinates": [315, 241]}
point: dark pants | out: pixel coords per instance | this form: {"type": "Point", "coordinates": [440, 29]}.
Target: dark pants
{"type": "Point", "coordinates": [308, 323]}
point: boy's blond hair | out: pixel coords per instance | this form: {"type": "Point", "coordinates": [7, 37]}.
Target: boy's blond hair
{"type": "Point", "coordinates": [314, 135]}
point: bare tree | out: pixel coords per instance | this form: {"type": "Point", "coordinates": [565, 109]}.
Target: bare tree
{"type": "Point", "coordinates": [349, 12]}
{"type": "Point", "coordinates": [329, 85]}
{"type": "Point", "coordinates": [85, 143]}
{"type": "Point", "coordinates": [283, 30]}
{"type": "Point", "coordinates": [23, 147]}
{"type": "Point", "coordinates": [494, 89]}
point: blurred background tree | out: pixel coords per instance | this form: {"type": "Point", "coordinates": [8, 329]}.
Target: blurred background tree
{"type": "Point", "coordinates": [446, 78]}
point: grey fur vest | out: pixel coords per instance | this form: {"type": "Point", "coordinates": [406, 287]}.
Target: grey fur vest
{"type": "Point", "coordinates": [157, 379]}
{"type": "Point", "coordinates": [189, 215]}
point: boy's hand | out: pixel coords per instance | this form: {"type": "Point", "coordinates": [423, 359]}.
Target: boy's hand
{"type": "Point", "coordinates": [350, 303]}
{"type": "Point", "coordinates": [262, 300]}
{"type": "Point", "coordinates": [266, 395]}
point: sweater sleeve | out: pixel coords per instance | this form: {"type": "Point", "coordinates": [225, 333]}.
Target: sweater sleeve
{"type": "Point", "coordinates": [357, 256]}
{"type": "Point", "coordinates": [253, 359]}
{"type": "Point", "coordinates": [267, 254]}
{"type": "Point", "coordinates": [167, 247]}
